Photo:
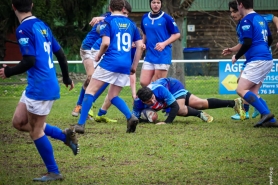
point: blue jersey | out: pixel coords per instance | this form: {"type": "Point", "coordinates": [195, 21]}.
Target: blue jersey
{"type": "Point", "coordinates": [267, 17]}
{"type": "Point", "coordinates": [96, 45]}
{"type": "Point", "coordinates": [90, 38]}
{"type": "Point", "coordinates": [35, 39]}
{"type": "Point", "coordinates": [122, 32]}
{"type": "Point", "coordinates": [158, 30]}
{"type": "Point", "coordinates": [255, 27]}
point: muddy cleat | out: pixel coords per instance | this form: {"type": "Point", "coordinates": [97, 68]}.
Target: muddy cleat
{"type": "Point", "coordinates": [206, 117]}
{"type": "Point", "coordinates": [255, 113]}
{"type": "Point", "coordinates": [237, 117]}
{"type": "Point", "coordinates": [91, 113]}
{"type": "Point", "coordinates": [264, 119]}
{"type": "Point", "coordinates": [104, 119]}
{"type": "Point", "coordinates": [49, 177]}
{"type": "Point", "coordinates": [76, 111]}
{"type": "Point", "coordinates": [239, 108]}
{"type": "Point", "coordinates": [270, 124]}
{"type": "Point", "coordinates": [131, 124]}
{"type": "Point", "coordinates": [71, 140]}
{"type": "Point", "coordinates": [80, 129]}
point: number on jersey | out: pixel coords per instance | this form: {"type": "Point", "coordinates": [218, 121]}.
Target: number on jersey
{"type": "Point", "coordinates": [47, 50]}
{"type": "Point", "coordinates": [123, 41]}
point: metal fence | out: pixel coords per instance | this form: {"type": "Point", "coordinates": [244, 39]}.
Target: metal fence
{"type": "Point", "coordinates": [201, 76]}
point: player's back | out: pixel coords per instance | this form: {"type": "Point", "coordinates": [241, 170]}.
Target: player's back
{"type": "Point", "coordinates": [255, 27]}
{"type": "Point", "coordinates": [90, 38]}
{"type": "Point", "coordinates": [35, 39]}
{"type": "Point", "coordinates": [122, 32]}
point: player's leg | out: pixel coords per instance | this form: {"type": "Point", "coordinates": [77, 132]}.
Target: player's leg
{"type": "Point", "coordinates": [249, 85]}
{"type": "Point", "coordinates": [88, 62]}
{"type": "Point", "coordinates": [113, 95]}
{"type": "Point", "coordinates": [93, 91]}
{"type": "Point", "coordinates": [161, 71]}
{"type": "Point", "coordinates": [37, 112]}
{"type": "Point", "coordinates": [186, 110]}
{"type": "Point", "coordinates": [100, 117]}
{"type": "Point", "coordinates": [147, 74]}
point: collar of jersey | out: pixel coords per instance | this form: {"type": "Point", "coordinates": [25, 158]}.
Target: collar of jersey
{"type": "Point", "coordinates": [28, 18]}
{"type": "Point", "coordinates": [157, 16]}
{"type": "Point", "coordinates": [117, 15]}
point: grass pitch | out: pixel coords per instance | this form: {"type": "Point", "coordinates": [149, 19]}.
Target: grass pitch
{"type": "Point", "coordinates": [188, 151]}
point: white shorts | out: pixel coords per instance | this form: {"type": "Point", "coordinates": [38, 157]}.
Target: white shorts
{"type": "Point", "coordinates": [117, 79]}
{"type": "Point", "coordinates": [89, 54]}
{"type": "Point", "coordinates": [37, 107]}
{"type": "Point", "coordinates": [256, 71]}
{"type": "Point", "coordinates": [150, 66]}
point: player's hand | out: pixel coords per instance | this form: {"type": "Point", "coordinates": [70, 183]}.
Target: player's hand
{"type": "Point", "coordinates": [97, 58]}
{"type": "Point", "coordinates": [226, 51]}
{"type": "Point", "coordinates": [143, 47]}
{"type": "Point", "coordinates": [2, 71]}
{"type": "Point", "coordinates": [68, 82]}
{"type": "Point", "coordinates": [234, 59]}
{"type": "Point", "coordinates": [159, 46]}
{"type": "Point", "coordinates": [132, 71]}
{"type": "Point", "coordinates": [96, 20]}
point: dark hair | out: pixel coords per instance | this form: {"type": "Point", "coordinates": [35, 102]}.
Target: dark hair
{"type": "Point", "coordinates": [247, 4]}
{"type": "Point", "coordinates": [128, 7]}
{"type": "Point", "coordinates": [117, 5]}
{"type": "Point", "coordinates": [23, 5]}
{"type": "Point", "coordinates": [144, 94]}
{"type": "Point", "coordinates": [152, 0]}
{"type": "Point", "coordinates": [233, 5]}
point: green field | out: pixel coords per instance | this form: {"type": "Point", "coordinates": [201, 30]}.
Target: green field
{"type": "Point", "coordinates": [188, 151]}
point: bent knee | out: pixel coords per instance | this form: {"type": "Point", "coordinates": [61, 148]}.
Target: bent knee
{"type": "Point", "coordinates": [87, 81]}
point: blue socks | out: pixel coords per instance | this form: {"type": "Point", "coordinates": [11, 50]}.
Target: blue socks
{"type": "Point", "coordinates": [86, 105]}
{"type": "Point", "coordinates": [121, 105]}
{"type": "Point", "coordinates": [252, 99]}
{"type": "Point", "coordinates": [246, 107]}
{"type": "Point", "coordinates": [45, 149]}
{"type": "Point", "coordinates": [81, 96]}
{"type": "Point", "coordinates": [264, 103]}
{"type": "Point", "coordinates": [101, 112]}
{"type": "Point", "coordinates": [54, 132]}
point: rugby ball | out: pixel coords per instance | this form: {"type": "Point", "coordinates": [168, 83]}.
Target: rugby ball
{"type": "Point", "coordinates": [149, 115]}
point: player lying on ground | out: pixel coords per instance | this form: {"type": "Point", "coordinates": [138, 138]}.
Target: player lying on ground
{"type": "Point", "coordinates": [170, 93]}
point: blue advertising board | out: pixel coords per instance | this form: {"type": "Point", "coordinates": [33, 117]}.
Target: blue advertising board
{"type": "Point", "coordinates": [228, 74]}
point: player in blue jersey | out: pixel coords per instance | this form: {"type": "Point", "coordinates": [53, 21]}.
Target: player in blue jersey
{"type": "Point", "coordinates": [237, 17]}
{"type": "Point", "coordinates": [166, 93]}
{"type": "Point", "coordinates": [87, 56]}
{"type": "Point", "coordinates": [160, 30]}
{"type": "Point", "coordinates": [115, 66]}
{"type": "Point", "coordinates": [256, 39]}
{"type": "Point", "coordinates": [37, 45]}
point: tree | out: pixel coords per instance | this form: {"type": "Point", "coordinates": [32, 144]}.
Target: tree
{"type": "Point", "coordinates": [178, 10]}
{"type": "Point", "coordinates": [68, 20]}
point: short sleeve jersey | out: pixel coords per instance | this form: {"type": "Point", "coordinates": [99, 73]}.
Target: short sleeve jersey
{"type": "Point", "coordinates": [35, 39]}
{"type": "Point", "coordinates": [122, 32]}
{"type": "Point", "coordinates": [255, 27]}
{"type": "Point", "coordinates": [157, 30]}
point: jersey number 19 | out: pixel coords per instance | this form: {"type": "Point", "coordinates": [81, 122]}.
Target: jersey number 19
{"type": "Point", "coordinates": [123, 41]}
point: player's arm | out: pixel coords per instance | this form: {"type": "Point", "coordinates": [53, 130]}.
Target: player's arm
{"type": "Point", "coordinates": [103, 47]}
{"type": "Point", "coordinates": [133, 85]}
{"type": "Point", "coordinates": [247, 42]}
{"type": "Point", "coordinates": [24, 65]}
{"type": "Point", "coordinates": [228, 51]}
{"type": "Point", "coordinates": [137, 56]}
{"type": "Point", "coordinates": [275, 21]}
{"type": "Point", "coordinates": [174, 109]}
{"type": "Point", "coordinates": [62, 60]}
